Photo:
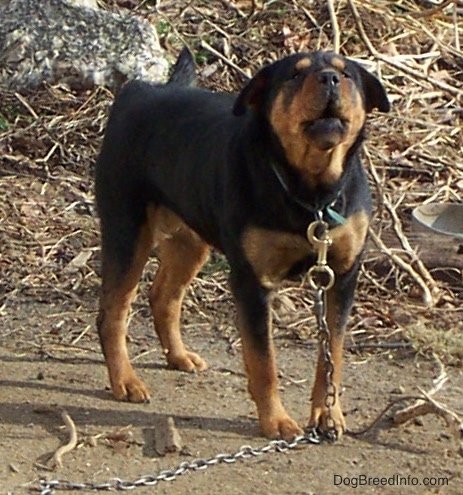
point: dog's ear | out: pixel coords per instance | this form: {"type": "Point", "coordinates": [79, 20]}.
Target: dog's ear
{"type": "Point", "coordinates": [253, 94]}
{"type": "Point", "coordinates": [375, 94]}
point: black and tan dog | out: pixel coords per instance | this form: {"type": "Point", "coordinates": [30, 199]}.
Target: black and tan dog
{"type": "Point", "coordinates": [183, 169]}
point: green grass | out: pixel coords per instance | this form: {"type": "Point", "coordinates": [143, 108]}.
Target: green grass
{"type": "Point", "coordinates": [4, 124]}
{"type": "Point", "coordinates": [163, 28]}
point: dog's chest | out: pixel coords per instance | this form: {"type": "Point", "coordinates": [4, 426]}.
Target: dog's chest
{"type": "Point", "coordinates": [273, 254]}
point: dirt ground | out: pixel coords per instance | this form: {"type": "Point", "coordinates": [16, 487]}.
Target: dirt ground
{"type": "Point", "coordinates": [214, 414]}
{"type": "Point", "coordinates": [50, 358]}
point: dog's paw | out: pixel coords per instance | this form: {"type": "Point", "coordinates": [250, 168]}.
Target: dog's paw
{"type": "Point", "coordinates": [131, 389]}
{"type": "Point", "coordinates": [189, 362]}
{"type": "Point", "coordinates": [280, 427]}
{"type": "Point", "coordinates": [319, 419]}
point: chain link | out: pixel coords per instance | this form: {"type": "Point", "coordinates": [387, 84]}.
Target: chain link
{"type": "Point", "coordinates": [244, 452]}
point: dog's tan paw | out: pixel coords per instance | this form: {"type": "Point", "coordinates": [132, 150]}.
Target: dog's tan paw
{"type": "Point", "coordinates": [319, 418]}
{"type": "Point", "coordinates": [131, 389]}
{"type": "Point", "coordinates": [280, 426]}
{"type": "Point", "coordinates": [189, 362]}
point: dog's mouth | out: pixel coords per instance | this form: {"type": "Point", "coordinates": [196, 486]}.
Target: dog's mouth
{"type": "Point", "coordinates": [328, 130]}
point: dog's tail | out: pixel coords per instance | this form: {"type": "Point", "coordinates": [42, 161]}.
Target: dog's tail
{"type": "Point", "coordinates": [184, 71]}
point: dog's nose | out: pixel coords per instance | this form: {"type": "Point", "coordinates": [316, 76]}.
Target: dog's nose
{"type": "Point", "coordinates": [329, 78]}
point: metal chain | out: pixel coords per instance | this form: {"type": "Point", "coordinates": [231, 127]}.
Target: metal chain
{"type": "Point", "coordinates": [244, 452]}
{"type": "Point", "coordinates": [321, 278]}
{"type": "Point", "coordinates": [330, 431]}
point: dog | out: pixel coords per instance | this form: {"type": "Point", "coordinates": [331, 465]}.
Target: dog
{"type": "Point", "coordinates": [184, 169]}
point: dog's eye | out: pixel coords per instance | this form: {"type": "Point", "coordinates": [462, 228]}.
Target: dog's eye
{"type": "Point", "coordinates": [347, 75]}
{"type": "Point", "coordinates": [296, 75]}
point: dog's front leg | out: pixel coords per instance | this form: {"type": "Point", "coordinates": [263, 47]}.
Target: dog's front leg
{"type": "Point", "coordinates": [338, 304]}
{"type": "Point", "coordinates": [254, 324]}
{"type": "Point", "coordinates": [348, 241]}
{"type": "Point", "coordinates": [322, 416]}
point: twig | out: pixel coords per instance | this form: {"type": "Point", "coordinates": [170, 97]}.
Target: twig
{"type": "Point", "coordinates": [421, 268]}
{"type": "Point", "coordinates": [424, 404]}
{"type": "Point", "coordinates": [427, 404]}
{"type": "Point", "coordinates": [334, 26]}
{"type": "Point", "coordinates": [456, 29]}
{"type": "Point", "coordinates": [388, 60]}
{"type": "Point", "coordinates": [428, 297]}
{"type": "Point", "coordinates": [70, 445]}
{"type": "Point", "coordinates": [381, 415]}
{"type": "Point", "coordinates": [209, 48]}
{"type": "Point", "coordinates": [26, 104]}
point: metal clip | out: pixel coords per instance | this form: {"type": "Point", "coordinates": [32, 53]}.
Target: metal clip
{"type": "Point", "coordinates": [321, 276]}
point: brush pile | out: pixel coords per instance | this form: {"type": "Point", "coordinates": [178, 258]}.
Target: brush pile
{"type": "Point", "coordinates": [411, 289]}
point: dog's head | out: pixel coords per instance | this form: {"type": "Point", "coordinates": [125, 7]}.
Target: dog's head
{"type": "Point", "coordinates": [316, 105]}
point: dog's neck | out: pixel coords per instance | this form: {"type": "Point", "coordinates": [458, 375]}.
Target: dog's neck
{"type": "Point", "coordinates": [328, 206]}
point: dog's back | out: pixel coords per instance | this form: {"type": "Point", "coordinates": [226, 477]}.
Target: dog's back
{"type": "Point", "coordinates": [154, 127]}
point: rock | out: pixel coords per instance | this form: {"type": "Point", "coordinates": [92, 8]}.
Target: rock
{"type": "Point", "coordinates": [90, 4]}
{"type": "Point", "coordinates": [166, 436]}
{"type": "Point", "coordinates": [55, 41]}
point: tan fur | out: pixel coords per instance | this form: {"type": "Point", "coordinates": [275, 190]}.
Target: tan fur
{"type": "Point", "coordinates": [271, 254]}
{"type": "Point", "coordinates": [115, 299]}
{"type": "Point", "coordinates": [181, 253]}
{"type": "Point", "coordinates": [338, 63]}
{"type": "Point", "coordinates": [348, 241]}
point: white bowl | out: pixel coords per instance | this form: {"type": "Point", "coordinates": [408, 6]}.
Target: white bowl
{"type": "Point", "coordinates": [441, 218]}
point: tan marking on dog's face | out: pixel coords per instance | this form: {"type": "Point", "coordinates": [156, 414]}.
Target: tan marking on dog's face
{"type": "Point", "coordinates": [272, 254]}
{"type": "Point", "coordinates": [348, 241]}
{"type": "Point", "coordinates": [304, 63]}
{"type": "Point", "coordinates": [338, 62]}
{"type": "Point", "coordinates": [315, 127]}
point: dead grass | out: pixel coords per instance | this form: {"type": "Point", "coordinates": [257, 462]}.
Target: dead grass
{"type": "Point", "coordinates": [411, 288]}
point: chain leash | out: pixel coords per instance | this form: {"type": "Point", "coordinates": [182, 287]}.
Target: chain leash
{"type": "Point", "coordinates": [244, 452]}
{"type": "Point", "coordinates": [321, 278]}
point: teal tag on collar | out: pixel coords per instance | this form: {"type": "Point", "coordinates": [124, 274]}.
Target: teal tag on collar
{"type": "Point", "coordinates": [335, 216]}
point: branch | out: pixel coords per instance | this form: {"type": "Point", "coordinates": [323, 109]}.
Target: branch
{"type": "Point", "coordinates": [335, 26]}
{"type": "Point", "coordinates": [70, 445]}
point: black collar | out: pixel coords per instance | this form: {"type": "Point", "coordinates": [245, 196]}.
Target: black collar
{"type": "Point", "coordinates": [331, 211]}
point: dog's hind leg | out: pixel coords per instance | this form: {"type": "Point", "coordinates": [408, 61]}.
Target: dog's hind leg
{"type": "Point", "coordinates": [181, 254]}
{"type": "Point", "coordinates": [126, 246]}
